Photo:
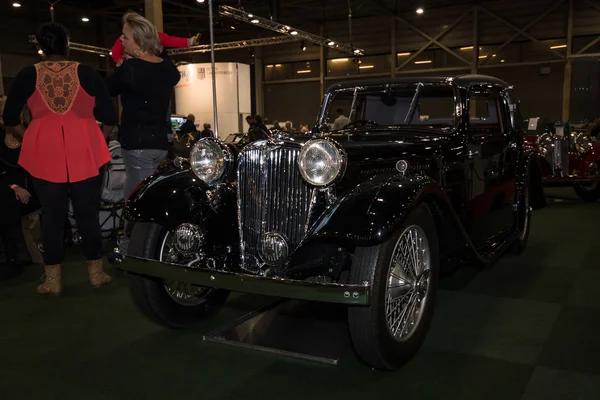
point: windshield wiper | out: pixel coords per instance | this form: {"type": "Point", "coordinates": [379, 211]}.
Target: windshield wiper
{"type": "Point", "coordinates": [413, 104]}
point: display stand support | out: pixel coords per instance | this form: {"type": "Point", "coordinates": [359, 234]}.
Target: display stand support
{"type": "Point", "coordinates": [308, 331]}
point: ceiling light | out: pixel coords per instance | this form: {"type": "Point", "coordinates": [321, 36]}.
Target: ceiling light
{"type": "Point", "coordinates": [85, 19]}
{"type": "Point", "coordinates": [403, 54]}
{"type": "Point", "coordinates": [250, 15]}
{"type": "Point", "coordinates": [420, 10]}
{"type": "Point", "coordinates": [40, 52]}
{"type": "Point", "coordinates": [200, 1]}
{"type": "Point", "coordinates": [16, 5]}
{"type": "Point", "coordinates": [357, 51]}
{"type": "Point", "coordinates": [501, 61]}
{"type": "Point", "coordinates": [294, 33]}
{"type": "Point", "coordinates": [102, 55]}
{"type": "Point", "coordinates": [232, 27]}
{"type": "Point", "coordinates": [337, 60]}
{"type": "Point", "coordinates": [366, 66]}
{"type": "Point", "coordinates": [305, 71]}
{"type": "Point", "coordinates": [331, 43]}
{"type": "Point", "coordinates": [562, 46]}
{"type": "Point", "coordinates": [303, 46]}
{"type": "Point", "coordinates": [255, 21]}
{"type": "Point", "coordinates": [278, 65]}
{"type": "Point", "coordinates": [482, 56]}
{"type": "Point", "coordinates": [423, 62]}
{"type": "Point", "coordinates": [269, 66]}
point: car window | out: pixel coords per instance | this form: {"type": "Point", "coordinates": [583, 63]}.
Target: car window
{"type": "Point", "coordinates": [488, 113]}
{"type": "Point", "coordinates": [430, 107]}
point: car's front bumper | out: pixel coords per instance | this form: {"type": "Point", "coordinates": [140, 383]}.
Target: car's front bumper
{"type": "Point", "coordinates": [356, 295]}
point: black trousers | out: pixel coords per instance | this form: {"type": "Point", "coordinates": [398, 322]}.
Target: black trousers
{"type": "Point", "coordinates": [54, 198]}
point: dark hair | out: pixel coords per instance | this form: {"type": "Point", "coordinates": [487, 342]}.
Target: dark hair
{"type": "Point", "coordinates": [258, 119]}
{"type": "Point", "coordinates": [340, 111]}
{"type": "Point", "coordinates": [53, 39]}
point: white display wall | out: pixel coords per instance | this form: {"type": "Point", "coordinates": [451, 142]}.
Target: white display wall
{"type": "Point", "coordinates": [193, 95]}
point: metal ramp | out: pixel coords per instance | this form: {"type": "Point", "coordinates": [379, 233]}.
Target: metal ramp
{"type": "Point", "coordinates": [309, 331]}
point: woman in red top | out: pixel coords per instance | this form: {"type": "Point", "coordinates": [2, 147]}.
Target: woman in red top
{"type": "Point", "coordinates": [63, 148]}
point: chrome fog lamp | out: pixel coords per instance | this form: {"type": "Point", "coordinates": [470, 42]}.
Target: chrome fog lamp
{"type": "Point", "coordinates": [188, 239]}
{"type": "Point", "coordinates": [209, 159]}
{"type": "Point", "coordinates": [322, 162]}
{"type": "Point", "coordinates": [274, 248]}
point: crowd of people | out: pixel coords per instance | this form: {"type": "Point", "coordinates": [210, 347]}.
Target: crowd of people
{"type": "Point", "coordinates": [61, 153]}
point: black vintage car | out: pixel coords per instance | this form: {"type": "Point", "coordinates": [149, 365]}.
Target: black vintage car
{"type": "Point", "coordinates": [422, 174]}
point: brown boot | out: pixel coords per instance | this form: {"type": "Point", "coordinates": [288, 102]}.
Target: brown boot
{"type": "Point", "coordinates": [53, 282]}
{"type": "Point", "coordinates": [97, 276]}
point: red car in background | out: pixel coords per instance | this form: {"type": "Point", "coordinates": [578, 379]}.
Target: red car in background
{"type": "Point", "coordinates": [568, 158]}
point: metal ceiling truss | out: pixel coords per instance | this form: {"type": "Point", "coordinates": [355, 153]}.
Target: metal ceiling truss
{"type": "Point", "coordinates": [80, 47]}
{"type": "Point", "coordinates": [435, 40]}
{"type": "Point", "coordinates": [234, 45]}
{"type": "Point", "coordinates": [553, 5]}
{"type": "Point", "coordinates": [249, 18]}
{"type": "Point", "coordinates": [582, 53]}
{"type": "Point", "coordinates": [205, 48]}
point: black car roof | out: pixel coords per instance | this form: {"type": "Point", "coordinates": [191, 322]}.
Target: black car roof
{"type": "Point", "coordinates": [460, 81]}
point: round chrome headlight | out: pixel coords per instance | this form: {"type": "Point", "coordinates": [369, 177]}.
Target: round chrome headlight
{"type": "Point", "coordinates": [321, 162]}
{"type": "Point", "coordinates": [209, 160]}
{"type": "Point", "coordinates": [583, 143]}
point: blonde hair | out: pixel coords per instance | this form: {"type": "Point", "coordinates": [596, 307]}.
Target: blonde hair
{"type": "Point", "coordinates": [145, 34]}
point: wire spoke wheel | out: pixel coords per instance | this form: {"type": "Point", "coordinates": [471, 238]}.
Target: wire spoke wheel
{"type": "Point", "coordinates": [408, 283]}
{"type": "Point", "coordinates": [183, 293]}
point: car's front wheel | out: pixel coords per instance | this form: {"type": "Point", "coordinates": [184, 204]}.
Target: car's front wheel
{"type": "Point", "coordinates": [589, 191]}
{"type": "Point", "coordinates": [169, 303]}
{"type": "Point", "coordinates": [403, 273]}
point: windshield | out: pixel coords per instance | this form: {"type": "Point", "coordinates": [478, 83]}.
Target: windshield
{"type": "Point", "coordinates": [428, 107]}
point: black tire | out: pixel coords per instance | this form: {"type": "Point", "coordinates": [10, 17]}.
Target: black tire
{"type": "Point", "coordinates": [523, 217]}
{"type": "Point", "coordinates": [150, 294]}
{"type": "Point", "coordinates": [372, 339]}
{"type": "Point", "coordinates": [590, 194]}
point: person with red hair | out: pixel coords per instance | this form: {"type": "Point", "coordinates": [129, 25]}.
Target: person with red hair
{"type": "Point", "coordinates": [119, 54]}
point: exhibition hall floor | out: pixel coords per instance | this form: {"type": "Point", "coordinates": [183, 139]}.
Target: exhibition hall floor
{"type": "Point", "coordinates": [525, 328]}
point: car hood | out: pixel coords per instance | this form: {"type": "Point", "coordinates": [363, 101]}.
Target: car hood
{"type": "Point", "coordinates": [373, 145]}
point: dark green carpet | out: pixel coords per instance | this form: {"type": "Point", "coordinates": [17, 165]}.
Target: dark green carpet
{"type": "Point", "coordinates": [527, 328]}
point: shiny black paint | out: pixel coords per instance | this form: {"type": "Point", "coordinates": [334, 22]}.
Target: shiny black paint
{"type": "Point", "coordinates": [178, 196]}
{"type": "Point", "coordinates": [372, 199]}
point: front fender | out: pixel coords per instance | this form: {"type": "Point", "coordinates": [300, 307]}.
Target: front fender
{"type": "Point", "coordinates": [178, 196]}
{"type": "Point", "coordinates": [370, 214]}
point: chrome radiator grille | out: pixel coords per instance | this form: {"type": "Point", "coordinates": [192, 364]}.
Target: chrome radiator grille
{"type": "Point", "coordinates": [272, 197]}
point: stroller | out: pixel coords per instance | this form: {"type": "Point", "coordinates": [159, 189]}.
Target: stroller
{"type": "Point", "coordinates": [112, 200]}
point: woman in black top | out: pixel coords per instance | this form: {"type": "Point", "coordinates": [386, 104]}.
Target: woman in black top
{"type": "Point", "coordinates": [145, 82]}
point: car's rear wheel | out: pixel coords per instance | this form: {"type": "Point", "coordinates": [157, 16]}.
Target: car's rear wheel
{"type": "Point", "coordinates": [173, 304]}
{"type": "Point", "coordinates": [524, 213]}
{"type": "Point", "coordinates": [403, 273]}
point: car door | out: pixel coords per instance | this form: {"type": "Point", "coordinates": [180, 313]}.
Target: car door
{"type": "Point", "coordinates": [491, 188]}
